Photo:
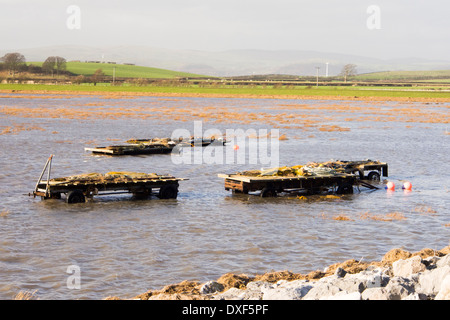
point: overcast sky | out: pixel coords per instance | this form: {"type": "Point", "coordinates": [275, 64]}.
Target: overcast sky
{"type": "Point", "coordinates": [401, 28]}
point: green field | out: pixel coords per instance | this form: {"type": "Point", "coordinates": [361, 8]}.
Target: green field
{"type": "Point", "coordinates": [296, 92]}
{"type": "Point", "coordinates": [395, 79]}
{"type": "Point", "coordinates": [122, 71]}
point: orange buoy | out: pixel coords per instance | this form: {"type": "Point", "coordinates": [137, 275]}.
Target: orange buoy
{"type": "Point", "coordinates": [390, 185]}
{"type": "Point", "coordinates": [235, 147]}
{"type": "Point", "coordinates": [407, 185]}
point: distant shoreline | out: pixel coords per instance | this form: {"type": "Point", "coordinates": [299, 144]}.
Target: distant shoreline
{"type": "Point", "coordinates": [238, 95]}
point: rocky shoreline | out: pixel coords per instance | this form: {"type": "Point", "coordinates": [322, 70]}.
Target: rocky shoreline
{"type": "Point", "coordinates": [400, 275]}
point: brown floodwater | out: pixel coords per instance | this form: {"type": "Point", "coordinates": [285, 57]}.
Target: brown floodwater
{"type": "Point", "coordinates": [124, 247]}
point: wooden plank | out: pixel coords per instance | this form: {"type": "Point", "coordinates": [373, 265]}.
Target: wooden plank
{"type": "Point", "coordinates": [281, 178]}
{"type": "Point", "coordinates": [100, 150]}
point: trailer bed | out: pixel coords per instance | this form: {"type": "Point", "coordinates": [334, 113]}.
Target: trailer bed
{"type": "Point", "coordinates": [153, 146]}
{"type": "Point", "coordinates": [78, 188]}
{"type": "Point", "coordinates": [132, 149]}
{"type": "Point", "coordinates": [315, 177]}
{"type": "Point", "coordinates": [272, 185]}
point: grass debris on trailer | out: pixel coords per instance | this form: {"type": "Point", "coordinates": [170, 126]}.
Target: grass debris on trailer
{"type": "Point", "coordinates": [314, 178]}
{"type": "Point", "coordinates": [154, 146]}
{"type": "Point", "coordinates": [78, 188]}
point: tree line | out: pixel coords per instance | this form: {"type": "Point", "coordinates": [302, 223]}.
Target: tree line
{"type": "Point", "coordinates": [15, 62]}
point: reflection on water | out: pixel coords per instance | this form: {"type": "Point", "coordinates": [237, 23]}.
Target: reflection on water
{"type": "Point", "coordinates": [125, 247]}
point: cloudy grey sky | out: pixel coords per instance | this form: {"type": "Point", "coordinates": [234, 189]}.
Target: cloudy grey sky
{"type": "Point", "coordinates": [405, 28]}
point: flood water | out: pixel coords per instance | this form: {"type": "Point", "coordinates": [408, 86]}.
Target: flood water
{"type": "Point", "coordinates": [124, 247]}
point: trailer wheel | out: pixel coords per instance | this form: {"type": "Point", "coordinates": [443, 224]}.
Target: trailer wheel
{"type": "Point", "coordinates": [76, 196]}
{"type": "Point", "coordinates": [361, 174]}
{"type": "Point", "coordinates": [142, 194]}
{"type": "Point", "coordinates": [168, 192]}
{"type": "Point", "coordinates": [268, 192]}
{"type": "Point", "coordinates": [345, 188]}
{"type": "Point", "coordinates": [52, 196]}
{"type": "Point", "coordinates": [374, 176]}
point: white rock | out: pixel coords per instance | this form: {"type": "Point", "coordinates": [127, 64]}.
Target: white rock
{"type": "Point", "coordinates": [444, 261]}
{"type": "Point", "coordinates": [371, 279]}
{"type": "Point", "coordinates": [351, 285]}
{"type": "Point", "coordinates": [430, 281]}
{"type": "Point", "coordinates": [230, 294]}
{"type": "Point", "coordinates": [444, 292]}
{"type": "Point", "coordinates": [414, 279]}
{"type": "Point", "coordinates": [259, 285]}
{"type": "Point", "coordinates": [295, 284]}
{"type": "Point", "coordinates": [376, 293]}
{"type": "Point", "coordinates": [405, 268]}
{"type": "Point", "coordinates": [292, 290]}
{"type": "Point", "coordinates": [255, 290]}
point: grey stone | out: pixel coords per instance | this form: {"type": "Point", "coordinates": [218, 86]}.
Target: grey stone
{"type": "Point", "coordinates": [211, 287]}
{"type": "Point", "coordinates": [321, 289]}
{"type": "Point", "coordinates": [340, 273]}
{"type": "Point", "coordinates": [399, 288]}
{"type": "Point", "coordinates": [415, 296]}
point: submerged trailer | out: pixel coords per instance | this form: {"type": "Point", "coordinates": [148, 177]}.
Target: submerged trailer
{"type": "Point", "coordinates": [191, 142]}
{"type": "Point", "coordinates": [132, 149]}
{"type": "Point", "coordinates": [78, 188]}
{"type": "Point", "coordinates": [270, 186]}
{"type": "Point", "coordinates": [332, 176]}
{"type": "Point", "coordinates": [154, 146]}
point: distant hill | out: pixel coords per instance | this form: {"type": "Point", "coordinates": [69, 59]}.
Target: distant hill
{"type": "Point", "coordinates": [231, 62]}
{"type": "Point", "coordinates": [123, 70]}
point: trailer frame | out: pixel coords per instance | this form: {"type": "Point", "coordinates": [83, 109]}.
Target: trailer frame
{"type": "Point", "coordinates": [375, 169]}
{"type": "Point", "coordinates": [341, 183]}
{"type": "Point", "coordinates": [162, 186]}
